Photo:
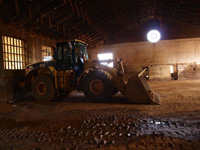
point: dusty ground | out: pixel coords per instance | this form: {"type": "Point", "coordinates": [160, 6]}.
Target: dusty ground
{"type": "Point", "coordinates": [73, 123]}
{"type": "Point", "coordinates": [5, 108]}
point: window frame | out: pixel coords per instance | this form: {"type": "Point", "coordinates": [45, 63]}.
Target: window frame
{"type": "Point", "coordinates": [46, 51]}
{"type": "Point", "coordinates": [14, 53]}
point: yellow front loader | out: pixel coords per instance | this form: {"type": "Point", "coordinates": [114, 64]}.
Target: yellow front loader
{"type": "Point", "coordinates": [72, 70]}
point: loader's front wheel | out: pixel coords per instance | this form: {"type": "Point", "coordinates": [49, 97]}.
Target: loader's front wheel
{"type": "Point", "coordinates": [43, 88]}
{"type": "Point", "coordinates": [97, 86]}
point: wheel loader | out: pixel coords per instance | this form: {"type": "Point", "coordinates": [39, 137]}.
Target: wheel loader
{"type": "Point", "coordinates": [71, 70]}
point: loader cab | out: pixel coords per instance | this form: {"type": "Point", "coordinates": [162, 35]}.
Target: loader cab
{"type": "Point", "coordinates": [71, 56]}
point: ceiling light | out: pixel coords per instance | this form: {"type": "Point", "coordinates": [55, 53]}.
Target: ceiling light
{"type": "Point", "coordinates": [153, 36]}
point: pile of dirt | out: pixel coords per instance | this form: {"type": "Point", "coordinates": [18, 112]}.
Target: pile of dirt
{"type": "Point", "coordinates": [5, 108]}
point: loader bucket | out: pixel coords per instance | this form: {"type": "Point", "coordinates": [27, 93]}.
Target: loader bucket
{"type": "Point", "coordinates": [138, 90]}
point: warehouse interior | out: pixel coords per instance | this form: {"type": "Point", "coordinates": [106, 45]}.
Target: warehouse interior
{"type": "Point", "coordinates": [111, 29]}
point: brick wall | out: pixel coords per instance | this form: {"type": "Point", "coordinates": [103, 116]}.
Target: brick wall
{"type": "Point", "coordinates": [182, 53]}
{"type": "Point", "coordinates": [10, 78]}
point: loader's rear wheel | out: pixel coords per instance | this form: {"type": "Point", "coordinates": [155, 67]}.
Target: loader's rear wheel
{"type": "Point", "coordinates": [97, 86]}
{"type": "Point", "coordinates": [43, 88]}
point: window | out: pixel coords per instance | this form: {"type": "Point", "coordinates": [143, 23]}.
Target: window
{"type": "Point", "coordinates": [106, 56]}
{"type": "Point", "coordinates": [83, 49]}
{"type": "Point", "coordinates": [47, 53]}
{"type": "Point", "coordinates": [174, 72]}
{"type": "Point", "coordinates": [171, 69]}
{"type": "Point", "coordinates": [14, 56]}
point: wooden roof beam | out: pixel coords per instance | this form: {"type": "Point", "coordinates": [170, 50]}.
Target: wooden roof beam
{"type": "Point", "coordinates": [16, 6]}
{"type": "Point", "coordinates": [1, 2]}
{"type": "Point", "coordinates": [89, 20]}
{"type": "Point", "coordinates": [72, 6]}
{"type": "Point", "coordinates": [29, 12]}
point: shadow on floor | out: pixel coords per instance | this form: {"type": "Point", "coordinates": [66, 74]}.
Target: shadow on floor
{"type": "Point", "coordinates": [79, 97]}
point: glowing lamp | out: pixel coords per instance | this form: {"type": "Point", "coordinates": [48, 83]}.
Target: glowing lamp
{"type": "Point", "coordinates": [153, 36]}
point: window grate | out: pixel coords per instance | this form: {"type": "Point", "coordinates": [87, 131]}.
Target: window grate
{"type": "Point", "coordinates": [14, 56]}
{"type": "Point", "coordinates": [47, 53]}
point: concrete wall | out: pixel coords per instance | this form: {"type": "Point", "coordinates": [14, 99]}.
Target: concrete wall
{"type": "Point", "coordinates": [10, 78]}
{"type": "Point", "coordinates": [183, 53]}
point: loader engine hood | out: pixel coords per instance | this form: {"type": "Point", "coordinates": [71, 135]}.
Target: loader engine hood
{"type": "Point", "coordinates": [41, 64]}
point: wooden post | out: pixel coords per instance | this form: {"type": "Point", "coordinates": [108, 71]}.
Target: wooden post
{"type": "Point", "coordinates": [64, 29]}
{"type": "Point", "coordinates": [16, 6]}
{"type": "Point", "coordinates": [77, 36]}
{"type": "Point", "coordinates": [1, 55]}
{"type": "Point", "coordinates": [41, 18]}
{"type": "Point", "coordinates": [69, 33]}
{"type": "Point", "coordinates": [50, 25]}
{"type": "Point", "coordinates": [29, 10]}
{"type": "Point", "coordinates": [74, 35]}
{"type": "Point", "coordinates": [57, 26]}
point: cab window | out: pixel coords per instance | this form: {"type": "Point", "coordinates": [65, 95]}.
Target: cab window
{"type": "Point", "coordinates": [82, 50]}
{"type": "Point", "coordinates": [59, 53]}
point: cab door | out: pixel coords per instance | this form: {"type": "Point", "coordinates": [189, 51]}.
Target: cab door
{"type": "Point", "coordinates": [64, 57]}
{"type": "Point", "coordinates": [59, 56]}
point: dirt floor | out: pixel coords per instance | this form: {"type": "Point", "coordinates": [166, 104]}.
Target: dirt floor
{"type": "Point", "coordinates": [71, 122]}
{"type": "Point", "coordinates": [5, 108]}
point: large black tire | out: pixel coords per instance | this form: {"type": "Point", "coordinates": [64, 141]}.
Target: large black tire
{"type": "Point", "coordinates": [97, 86]}
{"type": "Point", "coordinates": [43, 88]}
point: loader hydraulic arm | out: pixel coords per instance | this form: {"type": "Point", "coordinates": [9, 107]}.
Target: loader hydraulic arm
{"type": "Point", "coordinates": [118, 62]}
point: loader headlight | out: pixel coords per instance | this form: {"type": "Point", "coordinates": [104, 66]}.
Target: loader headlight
{"type": "Point", "coordinates": [153, 36]}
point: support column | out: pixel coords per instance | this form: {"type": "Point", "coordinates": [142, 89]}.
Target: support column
{"type": "Point", "coordinates": [2, 80]}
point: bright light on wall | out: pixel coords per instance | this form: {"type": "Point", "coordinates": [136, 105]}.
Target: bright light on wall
{"type": "Point", "coordinates": [47, 58]}
{"type": "Point", "coordinates": [171, 69]}
{"type": "Point", "coordinates": [106, 56]}
{"type": "Point", "coordinates": [153, 36]}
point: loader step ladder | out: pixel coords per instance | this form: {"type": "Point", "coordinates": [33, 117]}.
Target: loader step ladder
{"type": "Point", "coordinates": [61, 84]}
